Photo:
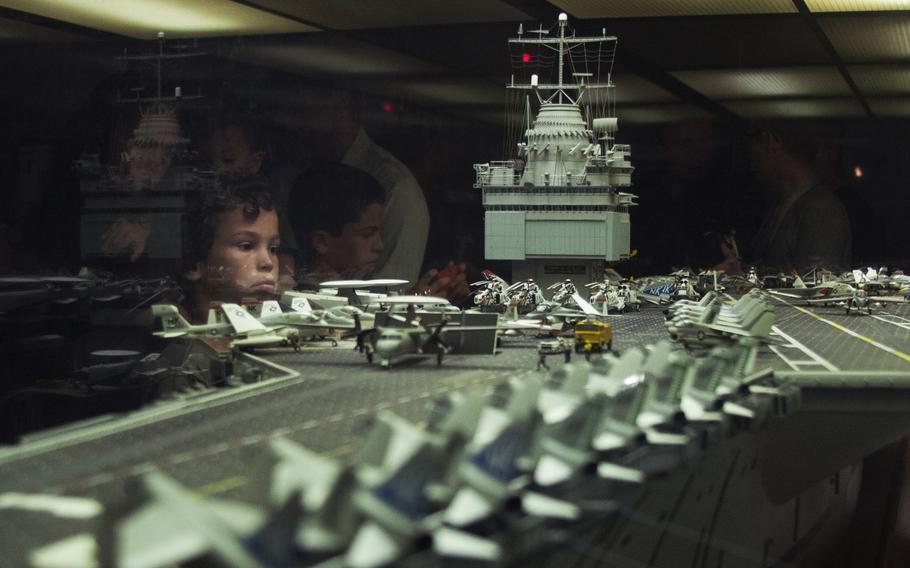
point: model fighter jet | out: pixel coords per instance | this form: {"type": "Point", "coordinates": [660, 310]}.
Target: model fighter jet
{"type": "Point", "coordinates": [227, 321]}
{"type": "Point", "coordinates": [307, 323]}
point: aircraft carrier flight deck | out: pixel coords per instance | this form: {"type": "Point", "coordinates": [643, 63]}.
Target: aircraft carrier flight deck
{"type": "Point", "coordinates": [209, 443]}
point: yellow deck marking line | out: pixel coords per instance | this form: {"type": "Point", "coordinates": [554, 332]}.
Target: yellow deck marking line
{"type": "Point", "coordinates": [850, 332]}
{"type": "Point", "coordinates": [222, 486]}
{"type": "Point", "coordinates": [339, 451]}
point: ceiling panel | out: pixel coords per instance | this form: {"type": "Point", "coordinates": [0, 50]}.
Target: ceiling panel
{"type": "Point", "coordinates": [869, 38]}
{"type": "Point", "coordinates": [23, 32]}
{"type": "Point", "coordinates": [654, 114]}
{"type": "Point", "coordinates": [333, 55]}
{"type": "Point", "coordinates": [753, 83]}
{"type": "Point", "coordinates": [896, 108]}
{"type": "Point", "coordinates": [143, 19]}
{"type": "Point", "coordinates": [857, 5]}
{"type": "Point", "coordinates": [663, 8]}
{"type": "Point", "coordinates": [357, 14]}
{"type": "Point", "coordinates": [797, 108]}
{"type": "Point", "coordinates": [881, 79]}
{"type": "Point", "coordinates": [440, 93]}
{"type": "Point", "coordinates": [633, 89]}
{"type": "Point", "coordinates": [698, 43]}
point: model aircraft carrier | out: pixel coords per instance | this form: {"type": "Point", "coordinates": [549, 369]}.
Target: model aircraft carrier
{"type": "Point", "coordinates": [207, 443]}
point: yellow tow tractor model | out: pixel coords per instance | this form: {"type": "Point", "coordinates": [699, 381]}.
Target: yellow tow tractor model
{"type": "Point", "coordinates": [592, 335]}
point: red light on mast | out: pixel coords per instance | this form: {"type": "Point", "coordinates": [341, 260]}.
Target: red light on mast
{"type": "Point", "coordinates": [525, 57]}
{"type": "Point", "coordinates": [387, 107]}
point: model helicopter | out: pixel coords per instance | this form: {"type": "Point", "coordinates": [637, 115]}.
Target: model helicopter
{"type": "Point", "coordinates": [564, 291]}
{"type": "Point", "coordinates": [525, 294]}
{"type": "Point", "coordinates": [614, 297]}
{"type": "Point", "coordinates": [490, 293]}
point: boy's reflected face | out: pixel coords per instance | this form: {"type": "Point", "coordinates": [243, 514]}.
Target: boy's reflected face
{"type": "Point", "coordinates": [355, 252]}
{"type": "Point", "coordinates": [230, 152]}
{"type": "Point", "coordinates": [242, 262]}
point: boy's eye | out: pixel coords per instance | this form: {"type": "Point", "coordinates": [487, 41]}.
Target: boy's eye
{"type": "Point", "coordinates": [273, 249]}
{"type": "Point", "coordinates": [245, 246]}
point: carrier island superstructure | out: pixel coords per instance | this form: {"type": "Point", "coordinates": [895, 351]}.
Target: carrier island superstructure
{"type": "Point", "coordinates": [556, 209]}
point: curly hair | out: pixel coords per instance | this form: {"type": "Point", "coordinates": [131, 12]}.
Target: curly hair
{"type": "Point", "coordinates": [210, 201]}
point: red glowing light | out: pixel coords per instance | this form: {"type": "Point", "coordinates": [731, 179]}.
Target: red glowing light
{"type": "Point", "coordinates": [525, 57]}
{"type": "Point", "coordinates": [387, 107]}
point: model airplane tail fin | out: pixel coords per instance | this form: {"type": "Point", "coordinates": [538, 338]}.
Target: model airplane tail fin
{"type": "Point", "coordinates": [269, 308]}
{"type": "Point", "coordinates": [301, 304]}
{"type": "Point", "coordinates": [172, 323]}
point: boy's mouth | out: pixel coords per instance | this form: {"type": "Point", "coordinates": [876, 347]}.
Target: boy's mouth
{"type": "Point", "coordinates": [264, 286]}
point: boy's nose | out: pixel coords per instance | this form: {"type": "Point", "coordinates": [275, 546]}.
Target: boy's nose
{"type": "Point", "coordinates": [266, 261]}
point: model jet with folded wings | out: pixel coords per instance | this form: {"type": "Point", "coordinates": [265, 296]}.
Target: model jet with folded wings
{"type": "Point", "coordinates": [229, 322]}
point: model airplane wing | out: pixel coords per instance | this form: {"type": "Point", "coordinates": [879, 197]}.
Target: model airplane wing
{"type": "Point", "coordinates": [176, 528]}
{"type": "Point", "coordinates": [242, 320]}
{"type": "Point", "coordinates": [827, 299]}
{"type": "Point", "coordinates": [584, 305]}
{"type": "Point", "coordinates": [788, 294]}
{"type": "Point", "coordinates": [889, 299]}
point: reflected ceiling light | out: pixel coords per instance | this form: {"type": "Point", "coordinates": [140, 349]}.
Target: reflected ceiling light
{"type": "Point", "coordinates": [143, 19]}
{"type": "Point", "coordinates": [872, 37]}
{"type": "Point", "coordinates": [881, 79]}
{"type": "Point", "coordinates": [858, 172]}
{"type": "Point", "coordinates": [797, 108]}
{"type": "Point", "coordinates": [857, 5]}
{"type": "Point", "coordinates": [751, 83]}
{"type": "Point", "coordinates": [666, 8]}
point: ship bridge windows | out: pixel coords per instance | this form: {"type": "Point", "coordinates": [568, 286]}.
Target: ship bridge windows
{"type": "Point", "coordinates": [574, 190]}
{"type": "Point", "coordinates": [561, 208]}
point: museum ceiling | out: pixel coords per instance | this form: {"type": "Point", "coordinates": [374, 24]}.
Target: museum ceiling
{"type": "Point", "coordinates": [677, 58]}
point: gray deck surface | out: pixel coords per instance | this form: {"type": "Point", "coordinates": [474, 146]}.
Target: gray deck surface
{"type": "Point", "coordinates": [328, 408]}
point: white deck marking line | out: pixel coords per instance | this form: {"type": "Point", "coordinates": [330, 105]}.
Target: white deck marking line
{"type": "Point", "coordinates": [904, 324]}
{"type": "Point", "coordinates": [816, 358]}
{"type": "Point", "coordinates": [850, 332]}
{"type": "Point", "coordinates": [792, 363]}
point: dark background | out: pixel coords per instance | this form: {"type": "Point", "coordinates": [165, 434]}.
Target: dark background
{"type": "Point", "coordinates": [691, 83]}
